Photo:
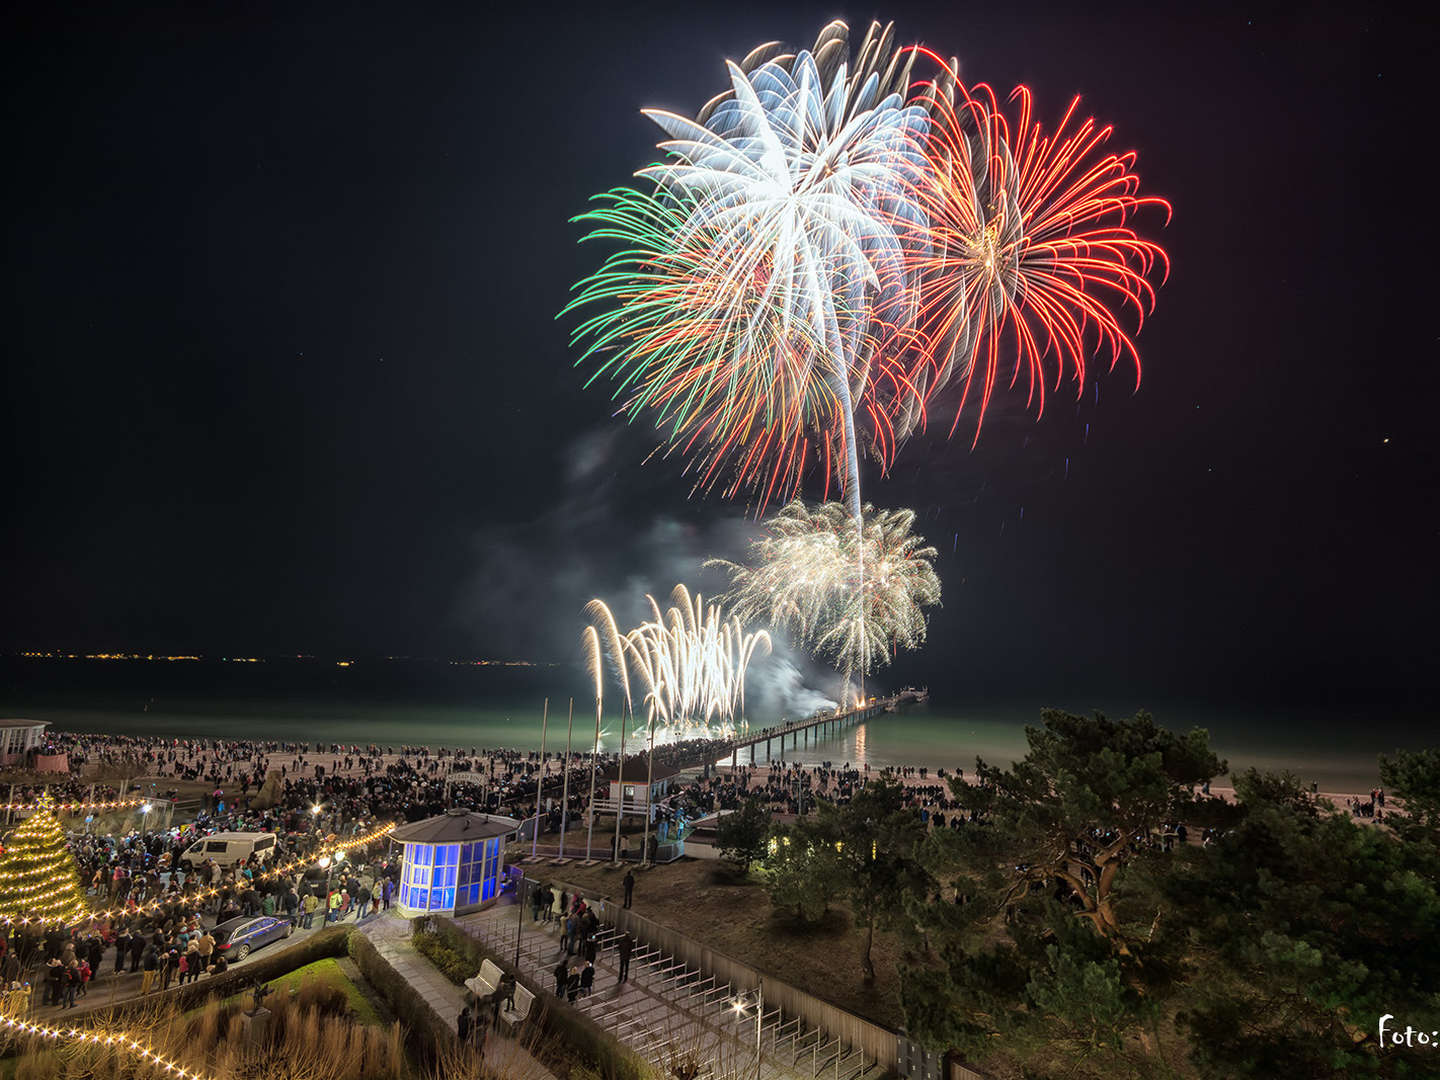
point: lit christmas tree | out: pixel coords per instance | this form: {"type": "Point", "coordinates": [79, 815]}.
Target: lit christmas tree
{"type": "Point", "coordinates": [38, 879]}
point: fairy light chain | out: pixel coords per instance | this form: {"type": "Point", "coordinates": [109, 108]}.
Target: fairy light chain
{"type": "Point", "coordinates": [120, 1041]}
{"type": "Point", "coordinates": [73, 807]}
{"type": "Point", "coordinates": [38, 896]}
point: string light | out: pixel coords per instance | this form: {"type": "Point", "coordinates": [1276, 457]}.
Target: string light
{"type": "Point", "coordinates": [119, 1040]}
{"type": "Point", "coordinates": [37, 897]}
{"type": "Point", "coordinates": [75, 807]}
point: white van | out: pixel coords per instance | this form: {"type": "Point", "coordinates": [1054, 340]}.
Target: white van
{"type": "Point", "coordinates": [229, 848]}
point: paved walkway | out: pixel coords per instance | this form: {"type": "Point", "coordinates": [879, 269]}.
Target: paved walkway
{"type": "Point", "coordinates": [390, 934]}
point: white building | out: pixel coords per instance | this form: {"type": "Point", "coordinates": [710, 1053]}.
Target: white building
{"type": "Point", "coordinates": [18, 737]}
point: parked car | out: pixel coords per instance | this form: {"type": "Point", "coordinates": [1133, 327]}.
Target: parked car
{"type": "Point", "coordinates": [235, 939]}
{"type": "Point", "coordinates": [229, 848]}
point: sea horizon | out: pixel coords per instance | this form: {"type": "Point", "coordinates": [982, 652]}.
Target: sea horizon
{"type": "Point", "coordinates": [1334, 746]}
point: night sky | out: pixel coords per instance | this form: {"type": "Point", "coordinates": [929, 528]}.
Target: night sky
{"type": "Point", "coordinates": [282, 373]}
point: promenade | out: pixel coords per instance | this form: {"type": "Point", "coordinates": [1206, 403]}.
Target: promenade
{"type": "Point", "coordinates": [669, 1014]}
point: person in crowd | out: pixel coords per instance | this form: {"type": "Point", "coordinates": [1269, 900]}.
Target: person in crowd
{"type": "Point", "coordinates": [624, 949]}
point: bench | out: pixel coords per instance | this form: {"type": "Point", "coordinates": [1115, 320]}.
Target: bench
{"type": "Point", "coordinates": [515, 1016]}
{"type": "Point", "coordinates": [487, 982]}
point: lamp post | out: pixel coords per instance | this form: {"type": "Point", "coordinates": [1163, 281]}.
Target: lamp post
{"type": "Point", "coordinates": [328, 864]}
{"type": "Point", "coordinates": [739, 1006]}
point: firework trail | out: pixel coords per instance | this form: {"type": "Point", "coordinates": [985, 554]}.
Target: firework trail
{"type": "Point", "coordinates": [801, 578]}
{"type": "Point", "coordinates": [688, 663]}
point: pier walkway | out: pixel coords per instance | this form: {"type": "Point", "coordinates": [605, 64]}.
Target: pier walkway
{"type": "Point", "coordinates": [825, 726]}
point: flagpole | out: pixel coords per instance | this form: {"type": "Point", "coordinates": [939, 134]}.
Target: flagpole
{"type": "Point", "coordinates": [620, 783]}
{"type": "Point", "coordinates": [565, 788]}
{"type": "Point", "coordinates": [594, 755]}
{"type": "Point", "coordinates": [540, 783]}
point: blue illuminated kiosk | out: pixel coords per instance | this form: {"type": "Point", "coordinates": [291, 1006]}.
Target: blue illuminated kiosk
{"type": "Point", "coordinates": [453, 863]}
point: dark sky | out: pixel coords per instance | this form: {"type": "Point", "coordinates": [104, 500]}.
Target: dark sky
{"type": "Point", "coordinates": [282, 375]}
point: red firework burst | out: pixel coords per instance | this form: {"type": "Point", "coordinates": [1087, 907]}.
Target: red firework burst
{"type": "Point", "coordinates": [1033, 260]}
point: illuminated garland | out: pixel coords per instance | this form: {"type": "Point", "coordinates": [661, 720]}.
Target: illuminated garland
{"type": "Point", "coordinates": [36, 899]}
{"type": "Point", "coordinates": [66, 808]}
{"type": "Point", "coordinates": [120, 1041]}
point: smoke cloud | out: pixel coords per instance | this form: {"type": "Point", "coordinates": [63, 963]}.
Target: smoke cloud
{"type": "Point", "coordinates": [601, 537]}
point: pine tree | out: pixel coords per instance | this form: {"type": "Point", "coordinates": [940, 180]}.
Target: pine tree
{"type": "Point", "coordinates": [38, 879]}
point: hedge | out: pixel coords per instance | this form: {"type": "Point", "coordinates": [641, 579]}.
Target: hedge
{"type": "Point", "coordinates": [430, 1027]}
{"type": "Point", "coordinates": [261, 968]}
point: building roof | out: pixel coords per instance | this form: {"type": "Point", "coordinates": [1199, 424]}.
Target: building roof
{"type": "Point", "coordinates": [4, 723]}
{"type": "Point", "coordinates": [635, 769]}
{"type": "Point", "coordinates": [457, 826]}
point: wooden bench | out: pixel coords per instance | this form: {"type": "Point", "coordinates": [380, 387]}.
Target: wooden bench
{"type": "Point", "coordinates": [516, 1015]}
{"type": "Point", "coordinates": [487, 982]}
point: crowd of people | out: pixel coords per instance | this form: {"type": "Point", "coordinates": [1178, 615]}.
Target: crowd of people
{"type": "Point", "coordinates": [163, 915]}
{"type": "Point", "coordinates": [792, 789]}
{"type": "Point", "coordinates": [1373, 807]}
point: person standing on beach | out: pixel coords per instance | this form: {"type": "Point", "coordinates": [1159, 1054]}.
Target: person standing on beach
{"type": "Point", "coordinates": [629, 886]}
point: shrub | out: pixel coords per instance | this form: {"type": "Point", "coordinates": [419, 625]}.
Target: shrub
{"type": "Point", "coordinates": [452, 964]}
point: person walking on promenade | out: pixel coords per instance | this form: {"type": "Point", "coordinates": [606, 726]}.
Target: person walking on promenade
{"type": "Point", "coordinates": [572, 985]}
{"type": "Point", "coordinates": [561, 973]}
{"type": "Point", "coordinates": [362, 901]}
{"type": "Point", "coordinates": [152, 966]}
{"type": "Point", "coordinates": [535, 900]}
{"type": "Point", "coordinates": [137, 950]}
{"type": "Point", "coordinates": [587, 978]}
{"type": "Point", "coordinates": [71, 982]}
{"type": "Point", "coordinates": [463, 1024]}
{"type": "Point", "coordinates": [629, 887]}
{"type": "Point", "coordinates": [387, 889]}
{"type": "Point", "coordinates": [626, 947]}
{"type": "Point", "coordinates": [310, 904]}
{"type": "Point", "coordinates": [207, 948]}
{"type": "Point", "coordinates": [567, 936]}
{"type": "Point", "coordinates": [169, 963]}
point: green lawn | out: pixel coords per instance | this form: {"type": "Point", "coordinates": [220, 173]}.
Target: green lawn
{"type": "Point", "coordinates": [328, 973]}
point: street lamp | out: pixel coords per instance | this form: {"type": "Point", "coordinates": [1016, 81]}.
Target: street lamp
{"type": "Point", "coordinates": [740, 1007]}
{"type": "Point", "coordinates": [328, 864]}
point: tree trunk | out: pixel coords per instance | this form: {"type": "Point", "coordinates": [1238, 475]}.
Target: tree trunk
{"type": "Point", "coordinates": [866, 964]}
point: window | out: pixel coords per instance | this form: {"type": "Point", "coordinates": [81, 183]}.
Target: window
{"type": "Point", "coordinates": [215, 845]}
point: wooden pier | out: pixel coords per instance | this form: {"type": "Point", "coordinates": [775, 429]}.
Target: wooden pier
{"type": "Point", "coordinates": [825, 726]}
